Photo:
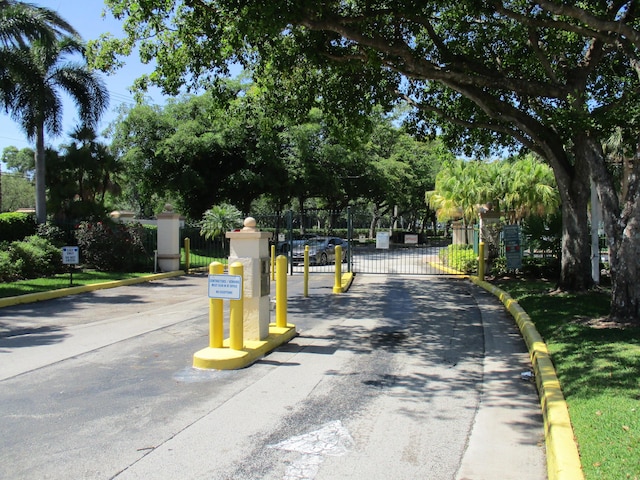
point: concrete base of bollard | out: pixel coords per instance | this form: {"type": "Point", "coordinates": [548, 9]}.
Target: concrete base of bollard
{"type": "Point", "coordinates": [227, 359]}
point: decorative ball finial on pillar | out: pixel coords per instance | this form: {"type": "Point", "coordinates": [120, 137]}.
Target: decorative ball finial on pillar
{"type": "Point", "coordinates": [249, 225]}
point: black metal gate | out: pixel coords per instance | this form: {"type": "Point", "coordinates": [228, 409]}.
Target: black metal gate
{"type": "Point", "coordinates": [385, 251]}
{"type": "Point", "coordinates": [390, 251]}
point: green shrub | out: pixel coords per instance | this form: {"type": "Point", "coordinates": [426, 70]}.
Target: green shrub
{"type": "Point", "coordinates": [460, 257]}
{"type": "Point", "coordinates": [35, 257]}
{"type": "Point", "coordinates": [547, 267]}
{"type": "Point", "coordinates": [498, 267]}
{"type": "Point", "coordinates": [110, 246]}
{"type": "Point", "coordinates": [544, 234]}
{"type": "Point", "coordinates": [52, 233]}
{"type": "Point", "coordinates": [16, 226]}
{"type": "Point", "coordinates": [9, 269]}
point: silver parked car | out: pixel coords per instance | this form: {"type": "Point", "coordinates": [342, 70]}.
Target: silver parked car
{"type": "Point", "coordinates": [322, 250]}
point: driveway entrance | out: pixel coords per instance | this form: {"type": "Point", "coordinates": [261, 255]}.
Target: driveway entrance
{"type": "Point", "coordinates": [391, 252]}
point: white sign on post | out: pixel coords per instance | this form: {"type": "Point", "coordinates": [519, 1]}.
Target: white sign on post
{"type": "Point", "coordinates": [70, 255]}
{"type": "Point", "coordinates": [225, 287]}
{"type": "Point", "coordinates": [382, 240]}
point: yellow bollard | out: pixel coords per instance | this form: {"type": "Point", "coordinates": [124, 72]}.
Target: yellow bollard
{"type": "Point", "coordinates": [216, 322]}
{"type": "Point", "coordinates": [236, 312]}
{"type": "Point", "coordinates": [306, 270]}
{"type": "Point", "coordinates": [481, 260]}
{"type": "Point", "coordinates": [337, 286]}
{"type": "Point", "coordinates": [273, 262]}
{"type": "Point", "coordinates": [281, 291]}
{"type": "Point", "coordinates": [187, 254]}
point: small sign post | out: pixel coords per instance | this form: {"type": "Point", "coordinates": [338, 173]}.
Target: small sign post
{"type": "Point", "coordinates": [71, 257]}
{"type": "Point", "coordinates": [511, 238]}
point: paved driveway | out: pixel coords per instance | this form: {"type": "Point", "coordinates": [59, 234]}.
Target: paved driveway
{"type": "Point", "coordinates": [402, 377]}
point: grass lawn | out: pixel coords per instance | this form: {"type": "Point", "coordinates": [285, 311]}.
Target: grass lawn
{"type": "Point", "coordinates": [599, 369]}
{"type": "Point", "coordinates": [61, 280]}
{"type": "Point", "coordinates": [200, 258]}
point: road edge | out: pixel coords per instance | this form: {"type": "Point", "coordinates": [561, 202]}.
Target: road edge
{"type": "Point", "coordinates": [63, 292]}
{"type": "Point", "coordinates": [563, 457]}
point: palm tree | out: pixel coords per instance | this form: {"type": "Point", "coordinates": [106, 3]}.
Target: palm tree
{"type": "Point", "coordinates": [20, 24]}
{"type": "Point", "coordinates": [218, 220]}
{"type": "Point", "coordinates": [36, 103]}
{"type": "Point", "coordinates": [532, 188]}
{"type": "Point", "coordinates": [96, 168]}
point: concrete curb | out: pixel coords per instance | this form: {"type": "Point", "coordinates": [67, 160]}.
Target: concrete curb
{"type": "Point", "coordinates": [63, 292]}
{"type": "Point", "coordinates": [563, 458]}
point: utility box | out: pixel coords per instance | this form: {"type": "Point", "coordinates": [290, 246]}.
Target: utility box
{"type": "Point", "coordinates": [250, 246]}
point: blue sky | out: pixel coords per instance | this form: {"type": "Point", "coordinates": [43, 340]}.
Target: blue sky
{"type": "Point", "coordinates": [86, 17]}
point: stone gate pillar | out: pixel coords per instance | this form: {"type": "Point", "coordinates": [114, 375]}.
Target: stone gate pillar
{"type": "Point", "coordinates": [168, 240]}
{"type": "Point", "coordinates": [250, 246]}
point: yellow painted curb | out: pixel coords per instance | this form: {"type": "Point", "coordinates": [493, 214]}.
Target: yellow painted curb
{"type": "Point", "coordinates": [347, 280]}
{"type": "Point", "coordinates": [63, 292]}
{"type": "Point", "coordinates": [563, 458]}
{"type": "Point", "coordinates": [446, 269]}
{"type": "Point", "coordinates": [226, 358]}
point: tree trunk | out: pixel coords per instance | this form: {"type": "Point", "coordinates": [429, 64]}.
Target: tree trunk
{"type": "Point", "coordinates": [622, 226]}
{"type": "Point", "coordinates": [574, 189]}
{"type": "Point", "coordinates": [41, 189]}
{"type": "Point", "coordinates": [375, 219]}
{"type": "Point", "coordinates": [575, 267]}
{"type": "Point", "coordinates": [374, 222]}
{"type": "Point", "coordinates": [302, 214]}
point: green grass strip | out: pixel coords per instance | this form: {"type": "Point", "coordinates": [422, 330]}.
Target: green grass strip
{"type": "Point", "coordinates": [39, 285]}
{"type": "Point", "coordinates": [598, 366]}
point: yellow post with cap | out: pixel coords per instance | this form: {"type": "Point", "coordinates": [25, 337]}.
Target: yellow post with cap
{"type": "Point", "coordinates": [216, 319]}
{"type": "Point", "coordinates": [236, 312]}
{"type": "Point", "coordinates": [306, 270]}
{"type": "Point", "coordinates": [273, 262]}
{"type": "Point", "coordinates": [187, 254]}
{"type": "Point", "coordinates": [281, 291]}
{"type": "Point", "coordinates": [337, 285]}
{"type": "Point", "coordinates": [481, 260]}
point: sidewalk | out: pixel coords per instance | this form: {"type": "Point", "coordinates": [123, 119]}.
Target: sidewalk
{"type": "Point", "coordinates": [408, 361]}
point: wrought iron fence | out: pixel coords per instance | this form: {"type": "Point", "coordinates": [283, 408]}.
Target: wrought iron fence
{"type": "Point", "coordinates": [202, 251]}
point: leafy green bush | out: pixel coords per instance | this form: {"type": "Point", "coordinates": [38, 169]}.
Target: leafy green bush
{"type": "Point", "coordinates": [34, 257]}
{"type": "Point", "coordinates": [547, 267]}
{"type": "Point", "coordinates": [543, 234]}
{"type": "Point", "coordinates": [110, 246]}
{"type": "Point", "coordinates": [498, 267]}
{"type": "Point", "coordinates": [16, 226]}
{"type": "Point", "coordinates": [52, 233]}
{"type": "Point", "coordinates": [460, 257]}
{"type": "Point", "coordinates": [9, 269]}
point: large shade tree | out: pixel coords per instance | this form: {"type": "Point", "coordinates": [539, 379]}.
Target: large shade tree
{"type": "Point", "coordinates": [36, 102]}
{"type": "Point", "coordinates": [554, 77]}
{"type": "Point", "coordinates": [200, 150]}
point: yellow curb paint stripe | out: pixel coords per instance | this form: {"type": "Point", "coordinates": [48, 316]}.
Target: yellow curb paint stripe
{"type": "Point", "coordinates": [63, 292]}
{"type": "Point", "coordinates": [347, 280]}
{"type": "Point", "coordinates": [563, 458]}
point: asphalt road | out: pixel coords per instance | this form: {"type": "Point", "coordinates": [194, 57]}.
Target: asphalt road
{"type": "Point", "coordinates": [400, 378]}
